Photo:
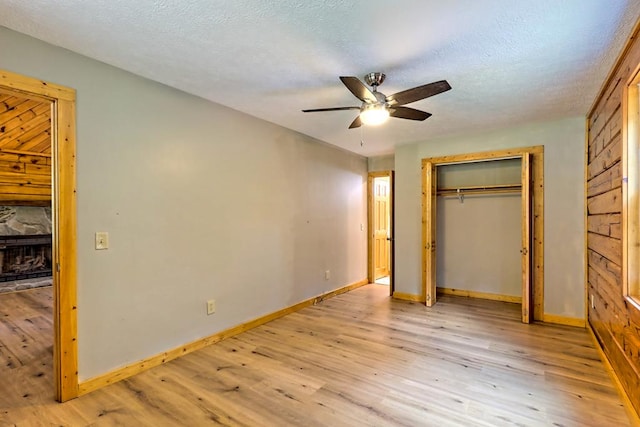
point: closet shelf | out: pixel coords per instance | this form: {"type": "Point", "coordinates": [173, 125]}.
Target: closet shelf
{"type": "Point", "coordinates": [479, 189]}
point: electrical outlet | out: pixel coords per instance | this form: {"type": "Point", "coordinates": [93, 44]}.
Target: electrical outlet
{"type": "Point", "coordinates": [211, 306]}
{"type": "Point", "coordinates": [327, 275]}
{"type": "Point", "coordinates": [102, 240]}
{"type": "Point", "coordinates": [361, 227]}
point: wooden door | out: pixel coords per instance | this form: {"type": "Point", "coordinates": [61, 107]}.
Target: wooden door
{"type": "Point", "coordinates": [527, 300]}
{"type": "Point", "coordinates": [381, 227]}
{"type": "Point", "coordinates": [429, 238]}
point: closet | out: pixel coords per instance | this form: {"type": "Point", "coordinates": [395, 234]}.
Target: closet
{"type": "Point", "coordinates": [479, 228]}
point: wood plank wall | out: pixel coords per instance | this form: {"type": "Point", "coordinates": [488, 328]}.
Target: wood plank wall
{"type": "Point", "coordinates": [25, 151]}
{"type": "Point", "coordinates": [614, 320]}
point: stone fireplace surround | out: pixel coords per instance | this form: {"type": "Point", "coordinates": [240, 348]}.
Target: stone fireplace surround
{"type": "Point", "coordinates": [34, 222]}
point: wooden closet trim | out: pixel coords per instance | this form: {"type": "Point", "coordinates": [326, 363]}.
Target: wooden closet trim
{"type": "Point", "coordinates": [537, 154]}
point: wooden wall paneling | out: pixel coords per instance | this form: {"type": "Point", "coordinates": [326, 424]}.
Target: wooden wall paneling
{"type": "Point", "coordinates": [628, 58]}
{"type": "Point", "coordinates": [35, 169]}
{"type": "Point", "coordinates": [610, 271]}
{"type": "Point", "coordinates": [609, 202]}
{"type": "Point", "coordinates": [606, 124]}
{"type": "Point", "coordinates": [23, 179]}
{"type": "Point", "coordinates": [611, 154]}
{"type": "Point", "coordinates": [11, 190]}
{"type": "Point", "coordinates": [613, 318]}
{"type": "Point", "coordinates": [606, 246]}
{"type": "Point", "coordinates": [607, 180]}
{"type": "Point", "coordinates": [15, 156]}
{"type": "Point", "coordinates": [606, 224]}
{"type": "Point", "coordinates": [12, 166]}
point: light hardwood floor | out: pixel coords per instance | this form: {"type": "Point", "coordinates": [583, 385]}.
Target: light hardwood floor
{"type": "Point", "coordinates": [359, 359]}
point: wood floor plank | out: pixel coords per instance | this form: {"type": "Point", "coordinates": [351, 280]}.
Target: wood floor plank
{"type": "Point", "coordinates": [359, 359]}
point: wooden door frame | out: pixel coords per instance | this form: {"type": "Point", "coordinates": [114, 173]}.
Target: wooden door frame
{"type": "Point", "coordinates": [537, 190]}
{"type": "Point", "coordinates": [429, 187]}
{"type": "Point", "coordinates": [370, 238]}
{"type": "Point", "coordinates": [526, 230]}
{"type": "Point", "coordinates": [63, 208]}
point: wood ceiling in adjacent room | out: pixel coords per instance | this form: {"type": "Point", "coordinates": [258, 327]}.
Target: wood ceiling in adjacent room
{"type": "Point", "coordinates": [25, 150]}
{"type": "Point", "coordinates": [25, 124]}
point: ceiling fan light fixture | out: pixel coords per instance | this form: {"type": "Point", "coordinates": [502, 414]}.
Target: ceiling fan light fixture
{"type": "Point", "coordinates": [376, 107]}
{"type": "Point", "coordinates": [374, 115]}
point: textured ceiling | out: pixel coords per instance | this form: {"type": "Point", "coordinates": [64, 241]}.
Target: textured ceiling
{"type": "Point", "coordinates": [508, 62]}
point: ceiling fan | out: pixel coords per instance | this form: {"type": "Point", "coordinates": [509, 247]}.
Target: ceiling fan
{"type": "Point", "coordinates": [377, 107]}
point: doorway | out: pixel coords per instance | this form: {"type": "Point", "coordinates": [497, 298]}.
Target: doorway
{"type": "Point", "coordinates": [529, 184]}
{"type": "Point", "coordinates": [63, 218]}
{"type": "Point", "coordinates": [380, 237]}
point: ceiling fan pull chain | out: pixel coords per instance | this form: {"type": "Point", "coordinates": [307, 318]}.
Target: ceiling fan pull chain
{"type": "Point", "coordinates": [361, 136]}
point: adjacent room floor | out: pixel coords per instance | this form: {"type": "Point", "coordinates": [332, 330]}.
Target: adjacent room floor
{"type": "Point", "coordinates": [357, 359]}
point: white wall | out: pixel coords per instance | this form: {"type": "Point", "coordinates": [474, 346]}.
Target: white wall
{"type": "Point", "coordinates": [563, 142]}
{"type": "Point", "coordinates": [479, 236]}
{"type": "Point", "coordinates": [381, 163]}
{"type": "Point", "coordinates": [201, 202]}
{"type": "Point", "coordinates": [479, 242]}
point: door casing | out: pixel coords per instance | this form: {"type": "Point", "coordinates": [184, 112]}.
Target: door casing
{"type": "Point", "coordinates": [63, 208]}
{"type": "Point", "coordinates": [533, 283]}
{"type": "Point", "coordinates": [370, 228]}
{"type": "Point", "coordinates": [381, 225]}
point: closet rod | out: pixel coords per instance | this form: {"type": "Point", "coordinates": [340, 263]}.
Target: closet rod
{"type": "Point", "coordinates": [480, 189]}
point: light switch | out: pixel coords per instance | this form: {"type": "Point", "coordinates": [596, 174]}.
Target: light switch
{"type": "Point", "coordinates": [102, 240]}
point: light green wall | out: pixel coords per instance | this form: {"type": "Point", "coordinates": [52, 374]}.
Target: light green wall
{"type": "Point", "coordinates": [381, 163]}
{"type": "Point", "coordinates": [201, 202]}
{"type": "Point", "coordinates": [564, 227]}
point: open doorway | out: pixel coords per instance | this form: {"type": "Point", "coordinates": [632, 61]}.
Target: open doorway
{"type": "Point", "coordinates": [380, 217]}
{"type": "Point", "coordinates": [50, 157]}
{"type": "Point", "coordinates": [26, 292]}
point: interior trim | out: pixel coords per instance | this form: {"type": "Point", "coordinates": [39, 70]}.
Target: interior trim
{"type": "Point", "coordinates": [563, 320]}
{"type": "Point", "coordinates": [132, 369]}
{"type": "Point", "coordinates": [634, 417]}
{"type": "Point", "coordinates": [63, 208]}
{"type": "Point", "coordinates": [480, 295]}
{"type": "Point", "coordinates": [408, 297]}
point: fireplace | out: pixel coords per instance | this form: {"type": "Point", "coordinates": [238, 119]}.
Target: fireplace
{"type": "Point", "coordinates": [25, 257]}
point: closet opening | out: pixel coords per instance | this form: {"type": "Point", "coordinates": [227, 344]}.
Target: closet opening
{"type": "Point", "coordinates": [482, 228]}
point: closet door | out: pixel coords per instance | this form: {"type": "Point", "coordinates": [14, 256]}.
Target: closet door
{"type": "Point", "coordinates": [429, 237]}
{"type": "Point", "coordinates": [527, 300]}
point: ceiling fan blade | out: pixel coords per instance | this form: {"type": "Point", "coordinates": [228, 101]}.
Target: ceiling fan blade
{"type": "Point", "coordinates": [417, 93]}
{"type": "Point", "coordinates": [408, 113]}
{"type": "Point", "coordinates": [315, 110]}
{"type": "Point", "coordinates": [359, 89]}
{"type": "Point", "coordinates": [356, 123]}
